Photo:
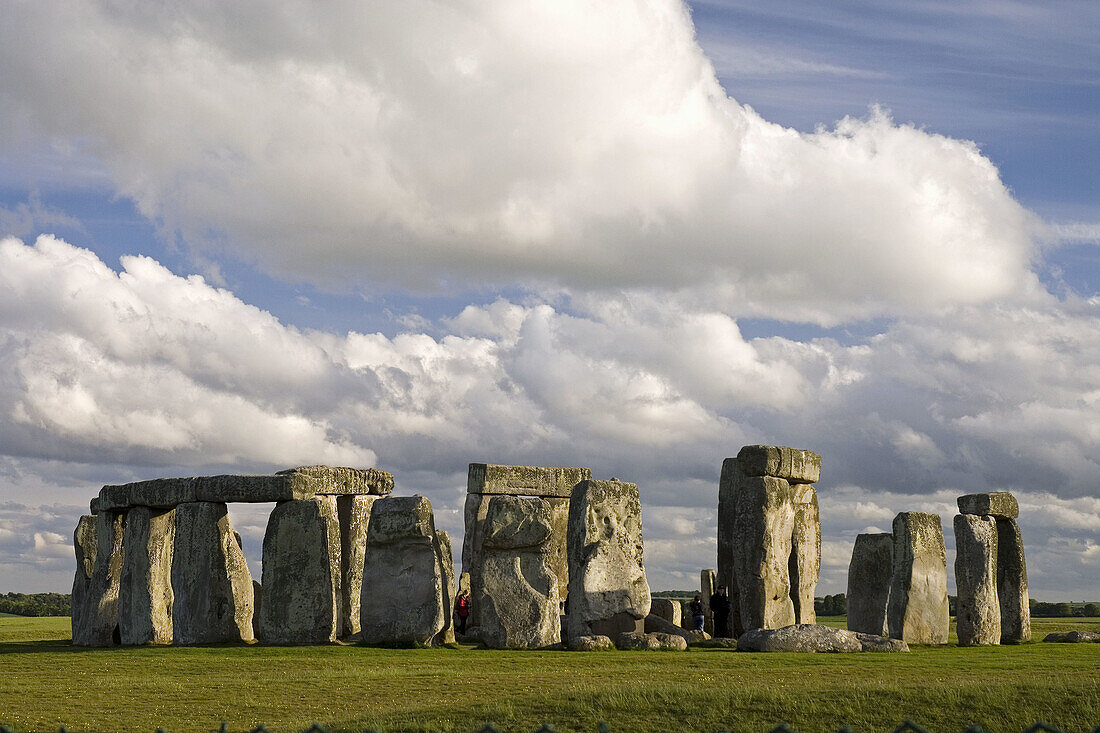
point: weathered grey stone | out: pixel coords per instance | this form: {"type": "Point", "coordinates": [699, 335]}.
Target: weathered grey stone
{"type": "Point", "coordinates": [81, 605]}
{"type": "Point", "coordinates": [210, 579]}
{"type": "Point", "coordinates": [354, 516]}
{"type": "Point", "coordinates": [1012, 591]}
{"type": "Point", "coordinates": [402, 601]}
{"type": "Point", "coordinates": [544, 481]}
{"type": "Point", "coordinates": [145, 588]}
{"type": "Point", "coordinates": [99, 625]}
{"type": "Point", "coordinates": [293, 484]}
{"type": "Point", "coordinates": [917, 612]}
{"type": "Point", "coordinates": [658, 625]}
{"type": "Point", "coordinates": [791, 464]}
{"type": "Point", "coordinates": [607, 583]}
{"type": "Point", "coordinates": [517, 589]}
{"type": "Point", "coordinates": [302, 573]}
{"type": "Point", "coordinates": [93, 506]}
{"type": "Point", "coordinates": [727, 494]}
{"type": "Point", "coordinates": [813, 638]}
{"type": "Point", "coordinates": [1074, 637]}
{"type": "Point", "coordinates": [978, 618]}
{"type": "Point", "coordinates": [719, 642]}
{"type": "Point", "coordinates": [590, 643]}
{"type": "Point", "coordinates": [1000, 504]}
{"type": "Point", "coordinates": [257, 603]}
{"type": "Point", "coordinates": [464, 582]}
{"type": "Point", "coordinates": [762, 537]}
{"type": "Point", "coordinates": [869, 577]}
{"type": "Point", "coordinates": [447, 570]}
{"type": "Point", "coordinates": [665, 608]}
{"type": "Point", "coordinates": [876, 643]}
{"type": "Point", "coordinates": [805, 561]}
{"type": "Point", "coordinates": [707, 585]}
{"type": "Point", "coordinates": [633, 641]}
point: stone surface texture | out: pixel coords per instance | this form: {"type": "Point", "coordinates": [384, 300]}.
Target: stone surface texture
{"type": "Point", "coordinates": [607, 582]}
{"type": "Point", "coordinates": [632, 641]}
{"type": "Point", "coordinates": [657, 625]}
{"type": "Point", "coordinates": [1012, 590]}
{"type": "Point", "coordinates": [805, 561]}
{"type": "Point", "coordinates": [667, 609]}
{"type": "Point", "coordinates": [917, 611]}
{"type": "Point", "coordinates": [590, 643]}
{"type": "Point", "coordinates": [145, 587]}
{"type": "Point", "coordinates": [210, 579]}
{"type": "Point", "coordinates": [708, 583]}
{"type": "Point", "coordinates": [445, 551]}
{"type": "Point", "coordinates": [1000, 504]}
{"type": "Point", "coordinates": [814, 638]}
{"type": "Point", "coordinates": [762, 541]}
{"type": "Point", "coordinates": [978, 615]}
{"type": "Point", "coordinates": [869, 576]}
{"type": "Point", "coordinates": [303, 482]}
{"type": "Point", "coordinates": [402, 600]}
{"type": "Point", "coordinates": [791, 464]}
{"type": "Point", "coordinates": [517, 588]}
{"type": "Point", "coordinates": [302, 573]}
{"type": "Point", "coordinates": [727, 486]}
{"type": "Point", "coordinates": [544, 481]}
{"type": "Point", "coordinates": [353, 512]}
{"type": "Point", "coordinates": [81, 603]}
{"type": "Point", "coordinates": [1074, 637]}
{"type": "Point", "coordinates": [100, 627]}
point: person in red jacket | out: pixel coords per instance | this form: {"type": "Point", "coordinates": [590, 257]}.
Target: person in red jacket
{"type": "Point", "coordinates": [462, 609]}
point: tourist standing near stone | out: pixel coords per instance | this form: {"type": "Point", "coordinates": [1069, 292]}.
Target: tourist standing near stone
{"type": "Point", "coordinates": [697, 616]}
{"type": "Point", "coordinates": [462, 609]}
{"type": "Point", "coordinates": [720, 607]}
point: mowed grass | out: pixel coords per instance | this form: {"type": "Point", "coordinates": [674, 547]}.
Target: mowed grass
{"type": "Point", "coordinates": [45, 683]}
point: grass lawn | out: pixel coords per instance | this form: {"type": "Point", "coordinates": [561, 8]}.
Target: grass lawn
{"type": "Point", "coordinates": [45, 683]}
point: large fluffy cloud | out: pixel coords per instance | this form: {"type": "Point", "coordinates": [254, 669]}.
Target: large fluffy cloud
{"type": "Point", "coordinates": [140, 367]}
{"type": "Point", "coordinates": [462, 145]}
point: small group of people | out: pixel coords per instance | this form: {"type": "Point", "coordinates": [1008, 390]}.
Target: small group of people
{"type": "Point", "coordinates": [719, 607]}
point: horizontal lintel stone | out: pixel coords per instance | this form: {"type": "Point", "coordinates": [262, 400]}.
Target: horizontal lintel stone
{"type": "Point", "coordinates": [490, 478]}
{"type": "Point", "coordinates": [795, 465]}
{"type": "Point", "coordinates": [1000, 504]}
{"type": "Point", "coordinates": [297, 483]}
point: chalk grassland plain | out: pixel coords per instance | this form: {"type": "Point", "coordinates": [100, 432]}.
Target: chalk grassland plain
{"type": "Point", "coordinates": [45, 683]}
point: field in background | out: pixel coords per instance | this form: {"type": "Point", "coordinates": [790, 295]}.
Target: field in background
{"type": "Point", "coordinates": [45, 683]}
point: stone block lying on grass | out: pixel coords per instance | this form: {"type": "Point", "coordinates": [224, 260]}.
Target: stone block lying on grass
{"type": "Point", "coordinates": [591, 643]}
{"type": "Point", "coordinates": [1074, 637]}
{"type": "Point", "coordinates": [814, 638]}
{"type": "Point", "coordinates": [631, 641]}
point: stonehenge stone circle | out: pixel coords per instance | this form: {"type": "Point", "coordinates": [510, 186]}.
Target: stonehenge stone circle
{"type": "Point", "coordinates": [917, 612]}
{"type": "Point", "coordinates": [518, 592]}
{"type": "Point", "coordinates": [145, 589]}
{"type": "Point", "coordinates": [608, 592]}
{"type": "Point", "coordinates": [402, 599]}
{"type": "Point", "coordinates": [210, 579]}
{"type": "Point", "coordinates": [485, 480]}
{"type": "Point", "coordinates": [978, 617]}
{"type": "Point", "coordinates": [302, 573]}
{"type": "Point", "coordinates": [869, 578]}
{"type": "Point", "coordinates": [1008, 564]}
{"type": "Point", "coordinates": [769, 536]}
{"type": "Point", "coordinates": [84, 542]}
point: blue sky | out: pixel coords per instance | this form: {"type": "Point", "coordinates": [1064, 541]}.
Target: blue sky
{"type": "Point", "coordinates": [633, 238]}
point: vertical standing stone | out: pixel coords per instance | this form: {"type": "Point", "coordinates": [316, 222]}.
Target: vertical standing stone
{"type": "Point", "coordinates": [978, 618]}
{"type": "Point", "coordinates": [707, 585]}
{"type": "Point", "coordinates": [301, 573]}
{"type": "Point", "coordinates": [210, 578]}
{"type": "Point", "coordinates": [667, 609]}
{"type": "Point", "coordinates": [447, 571]}
{"type": "Point", "coordinates": [1012, 583]}
{"type": "Point", "coordinates": [869, 576]}
{"type": "Point", "coordinates": [81, 605]}
{"type": "Point", "coordinates": [918, 611]}
{"type": "Point", "coordinates": [354, 515]}
{"type": "Point", "coordinates": [145, 592]}
{"type": "Point", "coordinates": [762, 533]}
{"type": "Point", "coordinates": [100, 622]}
{"type": "Point", "coordinates": [517, 589]}
{"type": "Point", "coordinates": [727, 494]}
{"type": "Point", "coordinates": [402, 600]}
{"type": "Point", "coordinates": [805, 562]}
{"type": "Point", "coordinates": [608, 592]}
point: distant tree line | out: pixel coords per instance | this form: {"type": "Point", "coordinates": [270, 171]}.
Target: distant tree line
{"type": "Point", "coordinates": [836, 605]}
{"type": "Point", "coordinates": [35, 604]}
{"type": "Point", "coordinates": [1064, 610]}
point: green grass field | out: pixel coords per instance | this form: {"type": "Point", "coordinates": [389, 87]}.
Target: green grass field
{"type": "Point", "coordinates": [45, 682]}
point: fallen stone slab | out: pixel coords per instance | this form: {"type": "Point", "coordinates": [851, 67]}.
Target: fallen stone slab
{"type": "Point", "coordinates": [917, 612]}
{"type": "Point", "coordinates": [791, 464]}
{"type": "Point", "coordinates": [718, 642]}
{"type": "Point", "coordinates": [869, 575]}
{"type": "Point", "coordinates": [656, 625]}
{"type": "Point", "coordinates": [978, 615]}
{"type": "Point", "coordinates": [633, 641]}
{"type": "Point", "coordinates": [1074, 637]}
{"type": "Point", "coordinates": [667, 609]}
{"type": "Point", "coordinates": [303, 482]}
{"type": "Point", "coordinates": [145, 588]}
{"type": "Point", "coordinates": [1000, 504]}
{"type": "Point", "coordinates": [813, 638]}
{"type": "Point", "coordinates": [590, 643]}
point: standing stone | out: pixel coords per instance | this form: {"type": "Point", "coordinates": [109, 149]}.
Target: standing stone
{"type": "Point", "coordinates": [210, 578]}
{"type": "Point", "coordinates": [145, 592]}
{"type": "Point", "coordinates": [302, 573]}
{"type": "Point", "coordinates": [517, 588]}
{"type": "Point", "coordinates": [84, 542]}
{"type": "Point", "coordinates": [99, 625]}
{"type": "Point", "coordinates": [999, 504]}
{"type": "Point", "coordinates": [762, 537]}
{"type": "Point", "coordinates": [257, 603]}
{"type": "Point", "coordinates": [1012, 583]}
{"type": "Point", "coordinates": [447, 569]}
{"type": "Point", "coordinates": [978, 618]}
{"type": "Point", "coordinates": [727, 494]}
{"type": "Point", "coordinates": [667, 609]}
{"type": "Point", "coordinates": [805, 562]}
{"type": "Point", "coordinates": [869, 576]}
{"type": "Point", "coordinates": [707, 585]}
{"type": "Point", "coordinates": [354, 516]}
{"type": "Point", "coordinates": [918, 611]}
{"type": "Point", "coordinates": [402, 600]}
{"type": "Point", "coordinates": [608, 592]}
{"type": "Point", "coordinates": [464, 582]}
